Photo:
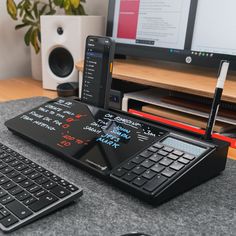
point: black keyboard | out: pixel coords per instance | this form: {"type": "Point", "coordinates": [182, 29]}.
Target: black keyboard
{"type": "Point", "coordinates": [29, 191]}
{"type": "Point", "coordinates": [153, 168]}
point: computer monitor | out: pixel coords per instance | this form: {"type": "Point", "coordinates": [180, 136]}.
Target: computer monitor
{"type": "Point", "coordinates": [201, 32]}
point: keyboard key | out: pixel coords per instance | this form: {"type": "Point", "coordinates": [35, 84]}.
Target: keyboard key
{"type": "Point", "coordinates": [40, 193]}
{"type": "Point", "coordinates": [23, 195]}
{"type": "Point", "coordinates": [158, 145]}
{"type": "Point", "coordinates": [41, 180]}
{"type": "Point", "coordinates": [49, 185]}
{"type": "Point", "coordinates": [129, 177]}
{"type": "Point", "coordinates": [139, 181]}
{"type": "Point", "coordinates": [29, 201]}
{"type": "Point", "coordinates": [55, 178]}
{"type": "Point", "coordinates": [9, 159]}
{"type": "Point", "coordinates": [149, 174]}
{"type": "Point", "coordinates": [71, 188]}
{"type": "Point", "coordinates": [34, 188]}
{"type": "Point", "coordinates": [4, 212]}
{"type": "Point", "coordinates": [26, 183]}
{"type": "Point", "coordinates": [4, 180]}
{"type": "Point", "coordinates": [9, 221]}
{"type": "Point", "coordinates": [40, 169]}
{"type": "Point", "coordinates": [48, 173]}
{"type": "Point", "coordinates": [6, 199]}
{"type": "Point", "coordinates": [168, 149]}
{"type": "Point", "coordinates": [119, 172]}
{"type": "Point", "coordinates": [166, 161]}
{"type": "Point", "coordinates": [177, 166]}
{"type": "Point", "coordinates": [18, 209]}
{"type": "Point", "coordinates": [27, 171]}
{"type": "Point", "coordinates": [148, 163]}
{"type": "Point", "coordinates": [4, 155]}
{"type": "Point", "coordinates": [138, 159]}
{"type": "Point", "coordinates": [34, 165]}
{"type": "Point", "coordinates": [63, 182]}
{"type": "Point", "coordinates": [60, 191]}
{"type": "Point", "coordinates": [9, 185]}
{"type": "Point", "coordinates": [168, 172]}
{"type": "Point", "coordinates": [155, 157]}
{"type": "Point", "coordinates": [34, 175]}
{"type": "Point", "coordinates": [2, 193]}
{"type": "Point", "coordinates": [14, 191]}
{"type": "Point", "coordinates": [172, 156]}
{"type": "Point", "coordinates": [153, 149]}
{"type": "Point", "coordinates": [15, 163]}
{"type": "Point", "coordinates": [6, 170]}
{"type": "Point", "coordinates": [146, 154]}
{"type": "Point", "coordinates": [19, 178]}
{"type": "Point", "coordinates": [154, 183]}
{"type": "Point", "coordinates": [43, 202]}
{"type": "Point", "coordinates": [189, 157]}
{"type": "Point", "coordinates": [178, 153]}
{"type": "Point", "coordinates": [158, 168]}
{"type": "Point", "coordinates": [13, 174]}
{"type": "Point", "coordinates": [129, 166]}
{"type": "Point", "coordinates": [21, 167]}
{"type": "Point", "coordinates": [183, 160]}
{"type": "Point", "coordinates": [139, 170]}
{"type": "Point", "coordinates": [3, 165]}
{"type": "Point", "coordinates": [163, 153]}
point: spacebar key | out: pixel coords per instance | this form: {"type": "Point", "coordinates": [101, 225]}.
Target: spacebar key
{"type": "Point", "coordinates": [44, 201]}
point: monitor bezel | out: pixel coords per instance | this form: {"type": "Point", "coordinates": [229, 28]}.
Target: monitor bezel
{"type": "Point", "coordinates": [147, 52]}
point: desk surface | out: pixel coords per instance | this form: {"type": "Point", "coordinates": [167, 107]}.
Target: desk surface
{"type": "Point", "coordinates": [19, 88]}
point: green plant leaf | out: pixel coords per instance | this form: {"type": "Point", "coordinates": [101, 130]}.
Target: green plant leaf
{"type": "Point", "coordinates": [34, 40]}
{"type": "Point", "coordinates": [20, 26]}
{"type": "Point", "coordinates": [75, 3]}
{"type": "Point", "coordinates": [11, 9]}
{"type": "Point", "coordinates": [28, 34]}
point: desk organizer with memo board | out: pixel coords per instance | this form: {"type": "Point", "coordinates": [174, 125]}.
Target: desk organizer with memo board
{"type": "Point", "coordinates": [151, 161]}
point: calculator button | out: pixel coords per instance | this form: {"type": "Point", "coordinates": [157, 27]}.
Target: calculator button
{"type": "Point", "coordinates": [163, 153]}
{"type": "Point", "coordinates": [158, 168]}
{"type": "Point", "coordinates": [168, 149]}
{"type": "Point", "coordinates": [152, 149]}
{"type": "Point", "coordinates": [166, 161]}
{"type": "Point", "coordinates": [129, 177]}
{"type": "Point", "coordinates": [154, 183]}
{"type": "Point", "coordinates": [189, 157]}
{"type": "Point", "coordinates": [148, 163]}
{"type": "Point", "coordinates": [119, 172]}
{"type": "Point", "coordinates": [158, 145]}
{"type": "Point", "coordinates": [168, 172]}
{"type": "Point", "coordinates": [178, 153]}
{"type": "Point", "coordinates": [172, 156]}
{"type": "Point", "coordinates": [138, 170]}
{"type": "Point", "coordinates": [146, 154]}
{"type": "Point", "coordinates": [9, 220]}
{"type": "Point", "coordinates": [183, 160]}
{"type": "Point", "coordinates": [155, 157]}
{"type": "Point", "coordinates": [138, 159]}
{"type": "Point", "coordinates": [139, 181]}
{"type": "Point", "coordinates": [149, 174]}
{"type": "Point", "coordinates": [177, 166]}
{"type": "Point", "coordinates": [129, 166]}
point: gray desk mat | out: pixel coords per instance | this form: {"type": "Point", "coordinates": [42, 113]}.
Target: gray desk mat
{"type": "Point", "coordinates": [209, 209]}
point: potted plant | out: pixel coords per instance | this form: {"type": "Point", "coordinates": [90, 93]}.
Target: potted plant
{"type": "Point", "coordinates": [28, 12]}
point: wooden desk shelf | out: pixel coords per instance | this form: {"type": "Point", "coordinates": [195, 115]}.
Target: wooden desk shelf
{"type": "Point", "coordinates": [180, 78]}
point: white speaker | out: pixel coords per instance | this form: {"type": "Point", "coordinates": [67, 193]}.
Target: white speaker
{"type": "Point", "coordinates": [63, 44]}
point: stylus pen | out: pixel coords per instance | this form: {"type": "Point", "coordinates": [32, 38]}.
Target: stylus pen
{"type": "Point", "coordinates": [217, 99]}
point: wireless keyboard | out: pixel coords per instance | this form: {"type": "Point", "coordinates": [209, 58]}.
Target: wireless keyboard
{"type": "Point", "coordinates": [29, 191]}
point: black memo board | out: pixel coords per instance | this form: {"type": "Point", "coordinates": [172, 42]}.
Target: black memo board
{"type": "Point", "coordinates": [92, 136]}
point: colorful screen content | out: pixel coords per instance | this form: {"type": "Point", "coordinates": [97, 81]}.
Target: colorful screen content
{"type": "Point", "coordinates": [94, 136]}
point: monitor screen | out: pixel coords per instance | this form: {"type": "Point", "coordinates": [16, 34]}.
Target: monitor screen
{"type": "Point", "coordinates": [190, 31]}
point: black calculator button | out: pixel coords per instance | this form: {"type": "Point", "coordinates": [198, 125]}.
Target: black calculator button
{"type": "Point", "coordinates": [50, 185]}
{"type": "Point", "coordinates": [129, 176]}
{"type": "Point", "coordinates": [8, 221]}
{"type": "Point", "coordinates": [158, 145]}
{"type": "Point", "coordinates": [2, 165]}
{"type": "Point", "coordinates": [173, 157]}
{"type": "Point", "coordinates": [28, 171]}
{"type": "Point", "coordinates": [14, 191]}
{"type": "Point", "coordinates": [4, 180]}
{"type": "Point", "coordinates": [129, 166]}
{"type": "Point", "coordinates": [168, 149]}
{"type": "Point", "coordinates": [155, 157]}
{"type": "Point", "coordinates": [9, 159]}
{"type": "Point", "coordinates": [30, 201]}
{"type": "Point", "coordinates": [138, 159]}
{"type": "Point", "coordinates": [4, 212]}
{"type": "Point", "coordinates": [21, 167]}
{"type": "Point", "coordinates": [41, 180]}
{"type": "Point", "coordinates": [71, 188]}
{"type": "Point", "coordinates": [138, 170]}
{"type": "Point", "coordinates": [23, 195]}
{"type": "Point", "coordinates": [9, 185]}
{"type": "Point", "coordinates": [163, 153]}
{"type": "Point", "coordinates": [119, 172]}
{"type": "Point", "coordinates": [177, 166]}
{"type": "Point", "coordinates": [19, 178]}
{"type": "Point", "coordinates": [139, 181]}
{"type": "Point", "coordinates": [60, 191]}
{"type": "Point", "coordinates": [183, 160]}
{"type": "Point", "coordinates": [2, 193]}
{"type": "Point", "coordinates": [15, 163]}
{"type": "Point", "coordinates": [166, 161]}
{"type": "Point", "coordinates": [178, 153]}
{"type": "Point", "coordinates": [6, 199]}
{"type": "Point", "coordinates": [154, 183]}
{"type": "Point", "coordinates": [153, 149]}
{"type": "Point", "coordinates": [158, 168]}
{"type": "Point", "coordinates": [13, 174]}
{"type": "Point", "coordinates": [146, 154]}
{"type": "Point", "coordinates": [26, 183]}
{"type": "Point", "coordinates": [6, 170]}
{"type": "Point", "coordinates": [3, 155]}
{"type": "Point", "coordinates": [33, 188]}
{"type": "Point", "coordinates": [168, 172]}
{"type": "Point", "coordinates": [149, 174]}
{"type": "Point", "coordinates": [148, 163]}
{"type": "Point", "coordinates": [34, 175]}
{"type": "Point", "coordinates": [40, 193]}
{"type": "Point", "coordinates": [189, 157]}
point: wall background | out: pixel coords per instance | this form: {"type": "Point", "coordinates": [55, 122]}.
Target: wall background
{"type": "Point", "coordinates": [14, 55]}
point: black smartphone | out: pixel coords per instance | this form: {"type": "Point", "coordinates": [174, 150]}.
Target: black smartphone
{"type": "Point", "coordinates": [97, 74]}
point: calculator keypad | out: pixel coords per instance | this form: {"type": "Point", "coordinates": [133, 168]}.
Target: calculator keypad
{"type": "Point", "coordinates": [153, 167]}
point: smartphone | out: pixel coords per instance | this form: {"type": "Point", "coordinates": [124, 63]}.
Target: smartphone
{"type": "Point", "coordinates": [97, 74]}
